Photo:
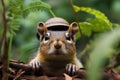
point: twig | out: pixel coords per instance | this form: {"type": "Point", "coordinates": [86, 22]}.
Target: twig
{"type": "Point", "coordinates": [75, 15]}
{"type": "Point", "coordinates": [19, 73]}
{"type": "Point", "coordinates": [19, 65]}
{"type": "Point", "coordinates": [24, 71]}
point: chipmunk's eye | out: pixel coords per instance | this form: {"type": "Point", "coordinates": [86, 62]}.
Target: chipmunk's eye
{"type": "Point", "coordinates": [47, 36]}
{"type": "Point", "coordinates": [68, 37]}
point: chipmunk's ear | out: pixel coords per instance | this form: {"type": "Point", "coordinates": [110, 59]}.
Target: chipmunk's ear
{"type": "Point", "coordinates": [41, 30]}
{"type": "Point", "coordinates": [73, 29]}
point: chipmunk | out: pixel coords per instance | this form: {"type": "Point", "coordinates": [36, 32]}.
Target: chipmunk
{"type": "Point", "coordinates": [57, 51]}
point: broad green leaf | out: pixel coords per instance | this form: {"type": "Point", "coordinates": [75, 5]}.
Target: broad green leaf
{"type": "Point", "coordinates": [97, 24]}
{"type": "Point", "coordinates": [86, 28]}
{"type": "Point", "coordinates": [94, 12]}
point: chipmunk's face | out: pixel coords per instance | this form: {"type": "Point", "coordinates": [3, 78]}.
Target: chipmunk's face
{"type": "Point", "coordinates": [57, 43]}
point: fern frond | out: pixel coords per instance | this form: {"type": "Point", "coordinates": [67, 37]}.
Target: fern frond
{"type": "Point", "coordinates": [16, 7]}
{"type": "Point", "coordinates": [13, 26]}
{"type": "Point", "coordinates": [18, 10]}
{"type": "Point", "coordinates": [36, 6]}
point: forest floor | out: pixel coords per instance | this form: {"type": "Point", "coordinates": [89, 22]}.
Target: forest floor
{"type": "Point", "coordinates": [21, 71]}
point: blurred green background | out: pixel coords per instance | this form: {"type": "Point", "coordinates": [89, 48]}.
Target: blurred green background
{"type": "Point", "coordinates": [25, 42]}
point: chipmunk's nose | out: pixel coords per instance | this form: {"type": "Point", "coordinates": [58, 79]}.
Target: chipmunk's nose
{"type": "Point", "coordinates": [57, 45]}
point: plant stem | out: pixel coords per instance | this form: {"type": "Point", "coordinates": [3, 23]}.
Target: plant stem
{"type": "Point", "coordinates": [10, 44]}
{"type": "Point", "coordinates": [51, 12]}
{"type": "Point", "coordinates": [75, 15]}
{"type": "Point", "coordinates": [6, 61]}
{"type": "Point", "coordinates": [5, 55]}
{"type": "Point", "coordinates": [4, 24]}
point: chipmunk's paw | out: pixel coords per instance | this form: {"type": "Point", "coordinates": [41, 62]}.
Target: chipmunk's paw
{"type": "Point", "coordinates": [34, 63]}
{"type": "Point", "coordinates": [71, 69]}
{"type": "Point", "coordinates": [36, 66]}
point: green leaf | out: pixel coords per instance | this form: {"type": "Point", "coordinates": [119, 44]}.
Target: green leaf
{"type": "Point", "coordinates": [13, 26]}
{"type": "Point", "coordinates": [105, 47]}
{"type": "Point", "coordinates": [36, 6]}
{"type": "Point", "coordinates": [98, 24]}
{"type": "Point", "coordinates": [86, 28]}
{"type": "Point", "coordinates": [94, 12]}
{"type": "Point", "coordinates": [16, 8]}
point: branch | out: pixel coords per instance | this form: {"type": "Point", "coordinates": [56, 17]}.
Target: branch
{"type": "Point", "coordinates": [24, 71]}
{"type": "Point", "coordinates": [5, 55]}
{"type": "Point", "coordinates": [4, 20]}
{"type": "Point", "coordinates": [19, 70]}
{"type": "Point", "coordinates": [75, 14]}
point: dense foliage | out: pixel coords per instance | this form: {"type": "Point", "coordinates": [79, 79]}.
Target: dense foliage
{"type": "Point", "coordinates": [23, 16]}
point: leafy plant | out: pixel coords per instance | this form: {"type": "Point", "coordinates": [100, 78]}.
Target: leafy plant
{"type": "Point", "coordinates": [19, 10]}
{"type": "Point", "coordinates": [98, 24]}
{"type": "Point", "coordinates": [15, 12]}
{"type": "Point", "coordinates": [105, 47]}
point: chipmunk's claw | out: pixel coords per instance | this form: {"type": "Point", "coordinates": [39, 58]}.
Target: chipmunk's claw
{"type": "Point", "coordinates": [36, 66]}
{"type": "Point", "coordinates": [71, 69]}
{"type": "Point", "coordinates": [34, 63]}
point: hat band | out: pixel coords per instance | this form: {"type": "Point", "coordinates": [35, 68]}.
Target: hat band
{"type": "Point", "coordinates": [56, 23]}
